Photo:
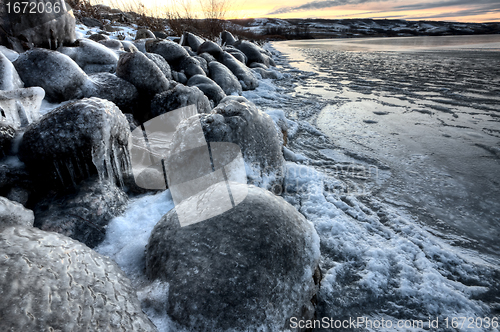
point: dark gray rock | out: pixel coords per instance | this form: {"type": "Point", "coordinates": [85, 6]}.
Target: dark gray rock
{"type": "Point", "coordinates": [189, 50]}
{"type": "Point", "coordinates": [203, 64]}
{"type": "Point", "coordinates": [92, 57]}
{"type": "Point", "coordinates": [239, 55]}
{"type": "Point", "coordinates": [227, 38]}
{"type": "Point", "coordinates": [248, 269]}
{"type": "Point", "coordinates": [110, 87]}
{"type": "Point", "coordinates": [161, 63]}
{"type": "Point", "coordinates": [75, 141]}
{"type": "Point", "coordinates": [254, 53]}
{"type": "Point", "coordinates": [7, 134]}
{"type": "Point", "coordinates": [224, 78]}
{"type": "Point", "coordinates": [113, 44]}
{"type": "Point", "coordinates": [191, 40]}
{"type": "Point", "coordinates": [190, 67]}
{"type": "Point", "coordinates": [84, 215]}
{"type": "Point", "coordinates": [179, 77]}
{"type": "Point", "coordinates": [14, 214]}
{"type": "Point", "coordinates": [92, 22]}
{"type": "Point", "coordinates": [170, 51]}
{"type": "Point", "coordinates": [236, 120]}
{"type": "Point", "coordinates": [60, 77]}
{"type": "Point", "coordinates": [9, 78]}
{"type": "Point", "coordinates": [40, 29]}
{"type": "Point", "coordinates": [160, 34]}
{"type": "Point", "coordinates": [211, 48]}
{"type": "Point", "coordinates": [246, 77]}
{"type": "Point", "coordinates": [65, 286]}
{"type": "Point", "coordinates": [98, 37]}
{"type": "Point", "coordinates": [141, 44]}
{"type": "Point", "coordinates": [178, 97]}
{"type": "Point", "coordinates": [144, 33]}
{"type": "Point", "coordinates": [139, 70]}
{"type": "Point", "coordinates": [209, 58]}
{"type": "Point", "coordinates": [208, 87]}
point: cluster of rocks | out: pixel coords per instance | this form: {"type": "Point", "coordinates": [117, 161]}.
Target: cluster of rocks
{"type": "Point", "coordinates": [73, 168]}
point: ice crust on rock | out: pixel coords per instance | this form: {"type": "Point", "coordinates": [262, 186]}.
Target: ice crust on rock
{"type": "Point", "coordinates": [241, 71]}
{"type": "Point", "coordinates": [60, 77]}
{"type": "Point", "coordinates": [77, 140]}
{"type": "Point", "coordinates": [161, 63]}
{"type": "Point", "coordinates": [211, 48]}
{"type": "Point", "coordinates": [82, 216]}
{"type": "Point", "coordinates": [178, 97]}
{"type": "Point", "coordinates": [7, 134]}
{"type": "Point", "coordinates": [224, 78]}
{"type": "Point", "coordinates": [8, 53]}
{"type": "Point", "coordinates": [254, 53]}
{"type": "Point", "coordinates": [249, 268]}
{"type": "Point", "coordinates": [9, 78]}
{"type": "Point", "coordinates": [110, 87]}
{"type": "Point", "coordinates": [142, 72]}
{"type": "Point", "coordinates": [211, 89]}
{"type": "Point", "coordinates": [190, 66]}
{"type": "Point", "coordinates": [191, 40]}
{"type": "Point", "coordinates": [227, 38]}
{"type": "Point", "coordinates": [239, 121]}
{"type": "Point", "coordinates": [21, 107]}
{"type": "Point", "coordinates": [91, 56]}
{"type": "Point", "coordinates": [50, 281]}
{"type": "Point", "coordinates": [14, 214]}
{"type": "Point", "coordinates": [170, 51]}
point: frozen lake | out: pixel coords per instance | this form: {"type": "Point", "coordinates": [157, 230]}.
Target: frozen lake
{"type": "Point", "coordinates": [428, 108]}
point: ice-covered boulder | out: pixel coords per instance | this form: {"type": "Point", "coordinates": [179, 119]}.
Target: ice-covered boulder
{"type": "Point", "coordinates": [189, 50]}
{"type": "Point", "coordinates": [142, 72]}
{"type": "Point", "coordinates": [161, 63]}
{"type": "Point", "coordinates": [91, 56]}
{"type": "Point", "coordinates": [9, 54]}
{"type": "Point", "coordinates": [129, 46]}
{"type": "Point", "coordinates": [113, 44]}
{"type": "Point", "coordinates": [211, 48]}
{"type": "Point", "coordinates": [178, 97]}
{"type": "Point", "coordinates": [208, 87]}
{"type": "Point", "coordinates": [110, 87]}
{"type": "Point", "coordinates": [170, 51]}
{"type": "Point", "coordinates": [82, 216]}
{"type": "Point", "coordinates": [254, 53]}
{"type": "Point", "coordinates": [239, 55]}
{"type": "Point", "coordinates": [191, 40]}
{"type": "Point", "coordinates": [75, 141]}
{"type": "Point", "coordinates": [190, 67]}
{"type": "Point", "coordinates": [50, 282]}
{"type": "Point", "coordinates": [39, 28]}
{"type": "Point", "coordinates": [247, 79]}
{"type": "Point", "coordinates": [7, 134]}
{"type": "Point", "coordinates": [144, 33]}
{"type": "Point", "coordinates": [141, 44]}
{"type": "Point", "coordinates": [98, 37]}
{"type": "Point", "coordinates": [203, 64]}
{"type": "Point", "coordinates": [227, 38]}
{"type": "Point", "coordinates": [9, 78]}
{"type": "Point", "coordinates": [250, 268]}
{"type": "Point", "coordinates": [208, 57]}
{"type": "Point", "coordinates": [14, 214]}
{"type": "Point", "coordinates": [60, 76]}
{"type": "Point", "coordinates": [239, 121]}
{"type": "Point", "coordinates": [224, 78]}
{"type": "Point", "coordinates": [266, 73]}
{"type": "Point", "coordinates": [21, 106]}
{"type": "Point", "coordinates": [179, 77]}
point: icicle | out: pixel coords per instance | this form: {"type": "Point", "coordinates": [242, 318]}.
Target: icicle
{"type": "Point", "coordinates": [69, 167]}
{"type": "Point", "coordinates": [50, 44]}
{"type": "Point", "coordinates": [58, 172]}
{"type": "Point", "coordinates": [117, 165]}
{"type": "Point", "coordinates": [98, 161]}
{"type": "Point", "coordinates": [80, 174]}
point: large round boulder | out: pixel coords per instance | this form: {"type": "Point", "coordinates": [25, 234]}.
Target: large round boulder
{"type": "Point", "coordinates": [178, 97]}
{"type": "Point", "coordinates": [161, 63]}
{"type": "Point", "coordinates": [39, 28]}
{"type": "Point", "coordinates": [247, 79]}
{"type": "Point", "coordinates": [60, 77]}
{"type": "Point", "coordinates": [211, 48]}
{"type": "Point", "coordinates": [190, 67]}
{"type": "Point", "coordinates": [84, 215]}
{"type": "Point", "coordinates": [224, 78]}
{"type": "Point", "coordinates": [254, 53]}
{"type": "Point", "coordinates": [227, 38]}
{"type": "Point", "coordinates": [236, 120]}
{"type": "Point", "coordinates": [191, 40]}
{"type": "Point", "coordinates": [250, 268]}
{"type": "Point", "coordinates": [170, 51]}
{"type": "Point", "coordinates": [239, 55]}
{"type": "Point", "coordinates": [110, 87]}
{"type": "Point", "coordinates": [9, 78]}
{"type": "Point", "coordinates": [91, 56]}
{"type": "Point", "coordinates": [75, 141]}
{"type": "Point", "coordinates": [50, 282]}
{"type": "Point", "coordinates": [208, 87]}
{"type": "Point", "coordinates": [142, 72]}
{"type": "Point", "coordinates": [144, 33]}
